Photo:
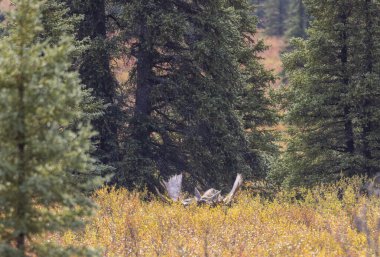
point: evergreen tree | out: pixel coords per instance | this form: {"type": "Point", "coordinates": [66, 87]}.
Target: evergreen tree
{"type": "Point", "coordinates": [58, 19]}
{"type": "Point", "coordinates": [275, 17]}
{"type": "Point", "coordinates": [87, 21]}
{"type": "Point", "coordinates": [259, 11]}
{"type": "Point", "coordinates": [333, 94]}
{"type": "Point", "coordinates": [365, 82]}
{"type": "Point", "coordinates": [95, 72]}
{"type": "Point", "coordinates": [195, 78]}
{"type": "Point", "coordinates": [297, 21]}
{"type": "Point", "coordinates": [43, 145]}
{"type": "Point", "coordinates": [2, 18]}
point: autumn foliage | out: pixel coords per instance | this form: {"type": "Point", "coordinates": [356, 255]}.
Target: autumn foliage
{"type": "Point", "coordinates": [329, 220]}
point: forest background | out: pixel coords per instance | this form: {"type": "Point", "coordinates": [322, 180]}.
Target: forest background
{"type": "Point", "coordinates": [127, 93]}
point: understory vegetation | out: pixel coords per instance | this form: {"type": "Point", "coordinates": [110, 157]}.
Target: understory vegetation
{"type": "Point", "coordinates": [328, 220]}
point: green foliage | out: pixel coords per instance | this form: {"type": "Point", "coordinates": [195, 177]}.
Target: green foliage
{"type": "Point", "coordinates": [332, 101]}
{"type": "Point", "coordinates": [276, 13]}
{"type": "Point", "coordinates": [297, 21]}
{"type": "Point", "coordinates": [86, 21]}
{"type": "Point", "coordinates": [96, 75]}
{"type": "Point", "coordinates": [2, 18]}
{"type": "Point", "coordinates": [45, 147]}
{"type": "Point", "coordinates": [259, 11]}
{"type": "Point", "coordinates": [199, 92]}
{"type": "Point", "coordinates": [57, 20]}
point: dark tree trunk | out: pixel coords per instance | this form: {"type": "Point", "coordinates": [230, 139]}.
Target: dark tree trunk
{"type": "Point", "coordinates": [369, 46]}
{"type": "Point", "coordinates": [20, 212]}
{"type": "Point", "coordinates": [140, 125]}
{"type": "Point", "coordinates": [96, 74]}
{"type": "Point", "coordinates": [348, 127]}
{"type": "Point", "coordinates": [282, 16]}
{"type": "Point", "coordinates": [20, 242]}
{"type": "Point", "coordinates": [303, 19]}
{"type": "Point", "coordinates": [144, 69]}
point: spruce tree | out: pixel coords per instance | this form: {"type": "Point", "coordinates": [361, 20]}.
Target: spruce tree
{"type": "Point", "coordinates": [87, 21]}
{"type": "Point", "coordinates": [275, 17]}
{"type": "Point", "coordinates": [43, 146]}
{"type": "Point", "coordinates": [366, 78]}
{"type": "Point", "coordinates": [332, 101]}
{"type": "Point", "coordinates": [196, 67]}
{"type": "Point", "coordinates": [297, 21]}
{"type": "Point", "coordinates": [2, 18]}
{"type": "Point", "coordinates": [96, 74]}
{"type": "Point", "coordinates": [58, 19]}
{"type": "Point", "coordinates": [259, 11]}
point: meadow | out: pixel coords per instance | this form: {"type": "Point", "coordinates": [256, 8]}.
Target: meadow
{"type": "Point", "coordinates": [328, 220]}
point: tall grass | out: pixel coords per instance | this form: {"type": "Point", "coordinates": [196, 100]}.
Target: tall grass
{"type": "Point", "coordinates": [329, 220]}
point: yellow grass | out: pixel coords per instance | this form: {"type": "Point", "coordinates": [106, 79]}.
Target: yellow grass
{"type": "Point", "coordinates": [317, 225]}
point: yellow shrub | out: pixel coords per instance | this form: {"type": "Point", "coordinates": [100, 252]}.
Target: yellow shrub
{"type": "Point", "coordinates": [317, 222]}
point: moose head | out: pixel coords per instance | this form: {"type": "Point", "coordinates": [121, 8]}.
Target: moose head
{"type": "Point", "coordinates": [212, 196]}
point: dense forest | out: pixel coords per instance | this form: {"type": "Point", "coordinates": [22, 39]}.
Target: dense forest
{"type": "Point", "coordinates": [196, 99]}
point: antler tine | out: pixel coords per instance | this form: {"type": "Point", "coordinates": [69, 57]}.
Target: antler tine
{"type": "Point", "coordinates": [197, 194]}
{"type": "Point", "coordinates": [187, 201]}
{"type": "Point", "coordinates": [162, 196]}
{"type": "Point", "coordinates": [173, 186]}
{"type": "Point", "coordinates": [235, 188]}
{"type": "Point", "coordinates": [215, 197]}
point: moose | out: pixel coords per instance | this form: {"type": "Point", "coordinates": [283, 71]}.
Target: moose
{"type": "Point", "coordinates": [173, 188]}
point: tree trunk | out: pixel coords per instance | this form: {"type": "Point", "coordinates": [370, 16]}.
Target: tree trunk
{"type": "Point", "coordinates": [369, 46]}
{"type": "Point", "coordinates": [21, 143]}
{"type": "Point", "coordinates": [96, 74]}
{"type": "Point", "coordinates": [348, 127]}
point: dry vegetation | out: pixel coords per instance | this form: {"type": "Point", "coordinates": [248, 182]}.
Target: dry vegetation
{"type": "Point", "coordinates": [5, 5]}
{"type": "Point", "coordinates": [272, 56]}
{"type": "Point", "coordinates": [271, 59]}
{"type": "Point", "coordinates": [296, 223]}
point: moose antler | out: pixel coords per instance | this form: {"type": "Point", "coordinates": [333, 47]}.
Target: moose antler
{"type": "Point", "coordinates": [173, 188]}
{"type": "Point", "coordinates": [212, 196]}
{"type": "Point", "coordinates": [197, 195]}
{"type": "Point", "coordinates": [235, 188]}
{"type": "Point", "coordinates": [163, 198]}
